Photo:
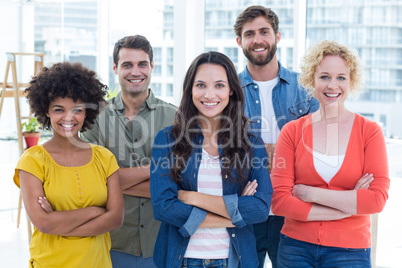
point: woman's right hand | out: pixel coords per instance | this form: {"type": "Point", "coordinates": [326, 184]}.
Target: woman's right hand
{"type": "Point", "coordinates": [364, 182]}
{"type": "Point", "coordinates": [47, 207]}
{"type": "Point", "coordinates": [250, 188]}
{"type": "Point", "coordinates": [45, 204]}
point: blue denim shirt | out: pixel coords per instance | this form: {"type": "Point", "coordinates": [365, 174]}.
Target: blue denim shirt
{"type": "Point", "coordinates": [180, 221]}
{"type": "Point", "coordinates": [290, 101]}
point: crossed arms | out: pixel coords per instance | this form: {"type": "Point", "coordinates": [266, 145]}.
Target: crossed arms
{"type": "Point", "coordinates": [88, 221]}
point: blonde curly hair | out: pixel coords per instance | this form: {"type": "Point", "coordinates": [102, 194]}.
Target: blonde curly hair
{"type": "Point", "coordinates": [317, 52]}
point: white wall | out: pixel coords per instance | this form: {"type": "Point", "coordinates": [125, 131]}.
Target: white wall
{"type": "Point", "coordinates": [392, 111]}
{"type": "Point", "coordinates": [16, 35]}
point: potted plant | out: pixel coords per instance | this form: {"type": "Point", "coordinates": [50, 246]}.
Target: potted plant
{"type": "Point", "coordinates": [30, 131]}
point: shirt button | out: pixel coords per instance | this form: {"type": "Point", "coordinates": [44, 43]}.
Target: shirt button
{"type": "Point", "coordinates": [300, 111]}
{"type": "Point", "coordinates": [135, 140]}
{"type": "Point", "coordinates": [142, 204]}
{"type": "Point", "coordinates": [257, 101]}
{"type": "Point", "coordinates": [233, 235]}
{"type": "Point", "coordinates": [258, 121]}
{"type": "Point", "coordinates": [142, 225]}
{"type": "Point", "coordinates": [255, 86]}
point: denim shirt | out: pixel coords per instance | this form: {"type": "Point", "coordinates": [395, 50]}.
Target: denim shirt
{"type": "Point", "coordinates": [290, 100]}
{"type": "Point", "coordinates": [180, 221]}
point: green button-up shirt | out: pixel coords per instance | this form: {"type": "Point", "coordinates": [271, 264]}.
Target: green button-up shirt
{"type": "Point", "coordinates": [131, 143]}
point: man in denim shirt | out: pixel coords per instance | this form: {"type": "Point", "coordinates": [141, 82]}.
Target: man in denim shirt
{"type": "Point", "coordinates": [273, 98]}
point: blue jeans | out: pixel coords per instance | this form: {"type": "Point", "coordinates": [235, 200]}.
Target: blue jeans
{"type": "Point", "coordinates": [298, 254]}
{"type": "Point", "coordinates": [124, 260]}
{"type": "Point", "coordinates": [267, 236]}
{"type": "Point", "coordinates": [204, 263]}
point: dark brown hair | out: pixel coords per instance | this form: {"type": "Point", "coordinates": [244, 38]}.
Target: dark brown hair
{"type": "Point", "coordinates": [134, 42]}
{"type": "Point", "coordinates": [233, 136]}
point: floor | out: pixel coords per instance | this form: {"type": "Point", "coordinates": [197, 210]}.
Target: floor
{"type": "Point", "coordinates": [14, 249]}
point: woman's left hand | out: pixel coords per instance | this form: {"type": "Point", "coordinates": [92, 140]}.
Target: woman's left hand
{"type": "Point", "coordinates": [303, 192]}
{"type": "Point", "coordinates": [45, 205]}
{"type": "Point", "coordinates": [250, 188]}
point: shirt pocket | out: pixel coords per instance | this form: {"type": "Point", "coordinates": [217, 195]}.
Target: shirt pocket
{"type": "Point", "coordinates": [298, 110]}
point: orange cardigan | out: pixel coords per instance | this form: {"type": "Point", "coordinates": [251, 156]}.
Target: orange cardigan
{"type": "Point", "coordinates": [293, 164]}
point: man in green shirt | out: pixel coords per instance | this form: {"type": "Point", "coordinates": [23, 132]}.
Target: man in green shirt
{"type": "Point", "coordinates": [127, 127]}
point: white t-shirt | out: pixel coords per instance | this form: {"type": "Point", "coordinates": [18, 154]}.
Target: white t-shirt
{"type": "Point", "coordinates": [327, 165]}
{"type": "Point", "coordinates": [269, 125]}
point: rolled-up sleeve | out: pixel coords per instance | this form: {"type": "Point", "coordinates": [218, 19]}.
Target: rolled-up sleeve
{"type": "Point", "coordinates": [253, 209]}
{"type": "Point", "coordinates": [232, 205]}
{"type": "Point", "coordinates": [196, 217]}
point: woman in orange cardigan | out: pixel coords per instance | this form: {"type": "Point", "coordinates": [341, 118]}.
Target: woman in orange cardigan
{"type": "Point", "coordinates": [330, 169]}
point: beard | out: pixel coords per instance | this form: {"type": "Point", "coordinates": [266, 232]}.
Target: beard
{"type": "Point", "coordinates": [261, 60]}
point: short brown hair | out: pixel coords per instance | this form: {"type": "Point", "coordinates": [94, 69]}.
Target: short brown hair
{"type": "Point", "coordinates": [134, 42]}
{"type": "Point", "coordinates": [253, 12]}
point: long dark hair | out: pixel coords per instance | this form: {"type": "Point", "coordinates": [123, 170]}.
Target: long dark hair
{"type": "Point", "coordinates": [233, 135]}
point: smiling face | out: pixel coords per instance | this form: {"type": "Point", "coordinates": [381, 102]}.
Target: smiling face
{"type": "Point", "coordinates": [134, 71]}
{"type": "Point", "coordinates": [211, 90]}
{"type": "Point", "coordinates": [258, 41]}
{"type": "Point", "coordinates": [66, 116]}
{"type": "Point", "coordinates": [332, 81]}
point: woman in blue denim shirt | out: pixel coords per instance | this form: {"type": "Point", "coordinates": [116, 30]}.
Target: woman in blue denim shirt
{"type": "Point", "coordinates": [209, 175]}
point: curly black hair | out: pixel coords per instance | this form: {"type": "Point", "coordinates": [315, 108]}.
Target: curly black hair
{"type": "Point", "coordinates": [66, 79]}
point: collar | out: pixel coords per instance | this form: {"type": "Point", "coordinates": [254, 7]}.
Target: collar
{"type": "Point", "coordinates": [149, 103]}
{"type": "Point", "coordinates": [200, 138]}
{"type": "Point", "coordinates": [284, 75]}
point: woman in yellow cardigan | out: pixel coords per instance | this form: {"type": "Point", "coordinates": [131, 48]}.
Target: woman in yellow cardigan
{"type": "Point", "coordinates": [70, 188]}
{"type": "Point", "coordinates": [330, 169]}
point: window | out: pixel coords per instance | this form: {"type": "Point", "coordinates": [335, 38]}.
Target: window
{"type": "Point", "coordinates": [156, 89]}
{"type": "Point", "coordinates": [170, 55]}
{"type": "Point", "coordinates": [157, 70]}
{"type": "Point", "coordinates": [232, 53]}
{"type": "Point", "coordinates": [157, 54]}
{"type": "Point", "coordinates": [169, 90]}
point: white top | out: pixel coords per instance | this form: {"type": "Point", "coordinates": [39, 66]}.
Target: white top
{"type": "Point", "coordinates": [327, 165]}
{"type": "Point", "coordinates": [209, 243]}
{"type": "Point", "coordinates": [269, 125]}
